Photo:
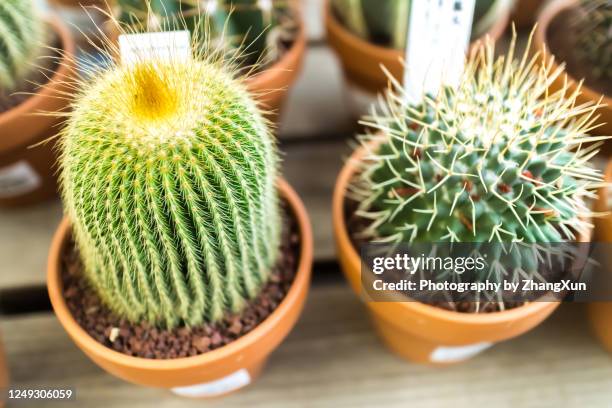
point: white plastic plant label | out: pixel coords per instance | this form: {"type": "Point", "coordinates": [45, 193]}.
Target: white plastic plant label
{"type": "Point", "coordinates": [438, 39]}
{"type": "Point", "coordinates": [215, 388]}
{"type": "Point", "coordinates": [160, 45]}
{"type": "Point", "coordinates": [456, 354]}
{"type": "Point", "coordinates": [18, 179]}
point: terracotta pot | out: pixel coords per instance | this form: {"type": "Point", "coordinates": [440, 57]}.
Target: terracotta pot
{"type": "Point", "coordinates": [600, 313]}
{"type": "Point", "coordinates": [361, 59]}
{"type": "Point", "coordinates": [271, 86]}
{"type": "Point", "coordinates": [419, 332]}
{"type": "Point", "coordinates": [525, 13]}
{"type": "Point", "coordinates": [603, 225]}
{"type": "Point", "coordinates": [207, 375]}
{"type": "Point", "coordinates": [26, 172]}
{"type": "Point", "coordinates": [587, 95]}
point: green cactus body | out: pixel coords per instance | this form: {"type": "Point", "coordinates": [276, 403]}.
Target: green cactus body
{"type": "Point", "coordinates": [594, 37]}
{"type": "Point", "coordinates": [385, 22]}
{"type": "Point", "coordinates": [158, 15]}
{"type": "Point", "coordinates": [168, 174]}
{"type": "Point", "coordinates": [496, 160]}
{"type": "Point", "coordinates": [246, 25]}
{"type": "Point", "coordinates": [21, 40]}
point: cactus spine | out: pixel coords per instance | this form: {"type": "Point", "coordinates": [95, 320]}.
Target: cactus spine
{"type": "Point", "coordinates": [168, 174]}
{"type": "Point", "coordinates": [497, 159]}
{"type": "Point", "coordinates": [21, 40]}
{"type": "Point", "coordinates": [594, 36]}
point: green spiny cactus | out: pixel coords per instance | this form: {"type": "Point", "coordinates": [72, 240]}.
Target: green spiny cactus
{"type": "Point", "coordinates": [385, 22]}
{"type": "Point", "coordinates": [256, 30]}
{"type": "Point", "coordinates": [594, 36]}
{"type": "Point", "coordinates": [156, 15]}
{"type": "Point", "coordinates": [21, 40]}
{"type": "Point", "coordinates": [168, 175]}
{"type": "Point", "coordinates": [498, 159]}
{"type": "Point", "coordinates": [258, 27]}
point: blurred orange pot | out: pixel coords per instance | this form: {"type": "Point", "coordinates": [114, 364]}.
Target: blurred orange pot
{"type": "Point", "coordinates": [587, 95]}
{"type": "Point", "coordinates": [211, 374]}
{"type": "Point", "coordinates": [26, 172]}
{"type": "Point", "coordinates": [361, 60]}
{"type": "Point", "coordinates": [419, 332]}
{"type": "Point", "coordinates": [600, 313]}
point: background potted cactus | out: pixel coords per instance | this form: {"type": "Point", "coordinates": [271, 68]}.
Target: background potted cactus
{"type": "Point", "coordinates": [26, 59]}
{"type": "Point", "coordinates": [184, 259]}
{"type": "Point", "coordinates": [266, 40]}
{"type": "Point", "coordinates": [459, 167]}
{"type": "Point", "coordinates": [578, 34]}
{"type": "Point", "coordinates": [368, 33]}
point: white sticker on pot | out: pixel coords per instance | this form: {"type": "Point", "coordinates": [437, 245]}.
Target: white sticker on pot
{"type": "Point", "coordinates": [17, 179]}
{"type": "Point", "coordinates": [455, 354]}
{"type": "Point", "coordinates": [215, 388]}
{"type": "Point", "coordinates": [170, 45]}
{"type": "Point", "coordinates": [438, 38]}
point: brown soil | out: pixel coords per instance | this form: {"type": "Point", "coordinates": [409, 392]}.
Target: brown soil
{"type": "Point", "coordinates": [143, 340]}
{"type": "Point", "coordinates": [561, 38]}
{"type": "Point", "coordinates": [45, 67]}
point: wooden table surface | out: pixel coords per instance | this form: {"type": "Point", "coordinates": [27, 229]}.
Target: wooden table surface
{"type": "Point", "coordinates": [333, 359]}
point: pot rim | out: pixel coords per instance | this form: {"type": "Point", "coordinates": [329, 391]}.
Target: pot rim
{"type": "Point", "coordinates": [387, 53]}
{"type": "Point", "coordinates": [546, 17]}
{"type": "Point", "coordinates": [33, 103]}
{"type": "Point", "coordinates": [302, 277]}
{"type": "Point", "coordinates": [345, 244]}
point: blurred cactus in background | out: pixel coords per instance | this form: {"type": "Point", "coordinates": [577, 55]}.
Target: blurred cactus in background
{"type": "Point", "coordinates": [261, 28]}
{"type": "Point", "coordinates": [156, 15]}
{"type": "Point", "coordinates": [168, 174]}
{"type": "Point", "coordinates": [258, 31]}
{"type": "Point", "coordinates": [385, 22]}
{"type": "Point", "coordinates": [22, 35]}
{"type": "Point", "coordinates": [594, 37]}
{"type": "Point", "coordinates": [498, 159]}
